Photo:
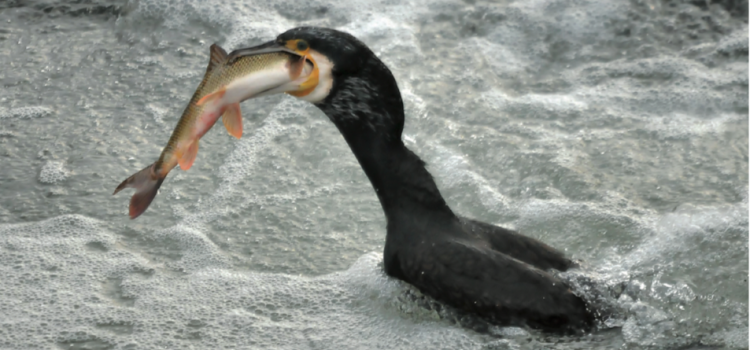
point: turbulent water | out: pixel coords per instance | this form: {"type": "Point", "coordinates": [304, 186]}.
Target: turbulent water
{"type": "Point", "coordinates": [616, 131]}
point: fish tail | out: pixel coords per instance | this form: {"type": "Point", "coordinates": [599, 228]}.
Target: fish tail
{"type": "Point", "coordinates": [146, 184]}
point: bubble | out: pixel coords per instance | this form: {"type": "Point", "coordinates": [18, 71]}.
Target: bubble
{"type": "Point", "coordinates": [53, 172]}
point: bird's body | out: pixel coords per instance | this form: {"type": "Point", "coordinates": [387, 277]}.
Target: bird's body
{"type": "Point", "coordinates": [474, 266]}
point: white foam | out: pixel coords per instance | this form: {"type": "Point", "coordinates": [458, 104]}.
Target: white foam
{"type": "Point", "coordinates": [83, 288]}
{"type": "Point", "coordinates": [394, 42]}
{"type": "Point", "coordinates": [547, 78]}
{"type": "Point", "coordinates": [157, 112]}
{"type": "Point", "coordinates": [455, 171]}
{"type": "Point", "coordinates": [53, 172]}
{"type": "Point", "coordinates": [682, 126]}
{"type": "Point", "coordinates": [735, 42]}
{"type": "Point", "coordinates": [26, 112]}
{"type": "Point", "coordinates": [678, 230]}
{"type": "Point", "coordinates": [91, 289]}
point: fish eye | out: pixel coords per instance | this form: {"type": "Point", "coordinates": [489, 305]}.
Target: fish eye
{"type": "Point", "coordinates": [302, 45]}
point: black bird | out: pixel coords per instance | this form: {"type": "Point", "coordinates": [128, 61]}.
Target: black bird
{"type": "Point", "coordinates": [473, 266]}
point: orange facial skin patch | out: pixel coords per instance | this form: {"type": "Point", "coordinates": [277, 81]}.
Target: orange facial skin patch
{"type": "Point", "coordinates": [303, 49]}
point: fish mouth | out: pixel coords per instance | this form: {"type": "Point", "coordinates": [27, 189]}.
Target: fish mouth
{"type": "Point", "coordinates": [302, 71]}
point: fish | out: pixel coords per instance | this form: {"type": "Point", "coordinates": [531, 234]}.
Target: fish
{"type": "Point", "coordinates": [236, 76]}
{"type": "Point", "coordinates": [261, 82]}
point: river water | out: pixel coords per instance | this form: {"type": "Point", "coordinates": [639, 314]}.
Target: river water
{"type": "Point", "coordinates": [616, 131]}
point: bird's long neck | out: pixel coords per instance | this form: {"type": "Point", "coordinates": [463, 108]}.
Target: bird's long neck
{"type": "Point", "coordinates": [398, 176]}
{"type": "Point", "coordinates": [369, 114]}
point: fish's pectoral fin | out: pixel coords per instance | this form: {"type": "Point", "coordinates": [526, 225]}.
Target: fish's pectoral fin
{"type": "Point", "coordinates": [212, 96]}
{"type": "Point", "coordinates": [218, 56]}
{"type": "Point", "coordinates": [232, 119]}
{"type": "Point", "coordinates": [188, 157]}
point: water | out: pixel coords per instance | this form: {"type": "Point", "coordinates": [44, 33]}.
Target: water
{"type": "Point", "coordinates": [616, 131]}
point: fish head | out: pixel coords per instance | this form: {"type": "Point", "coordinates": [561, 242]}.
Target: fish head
{"type": "Point", "coordinates": [302, 78]}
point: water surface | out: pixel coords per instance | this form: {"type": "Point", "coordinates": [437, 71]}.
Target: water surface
{"type": "Point", "coordinates": [616, 131]}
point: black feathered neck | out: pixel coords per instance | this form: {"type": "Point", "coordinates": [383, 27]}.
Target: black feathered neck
{"type": "Point", "coordinates": [365, 105]}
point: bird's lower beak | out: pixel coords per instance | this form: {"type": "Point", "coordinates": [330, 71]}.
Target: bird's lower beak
{"type": "Point", "coordinates": [301, 71]}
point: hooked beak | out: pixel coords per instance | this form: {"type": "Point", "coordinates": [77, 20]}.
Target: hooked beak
{"type": "Point", "coordinates": [302, 72]}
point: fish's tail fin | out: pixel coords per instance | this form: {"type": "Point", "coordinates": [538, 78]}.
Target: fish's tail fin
{"type": "Point", "coordinates": [146, 184]}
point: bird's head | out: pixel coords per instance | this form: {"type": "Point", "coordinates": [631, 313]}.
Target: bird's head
{"type": "Point", "coordinates": [346, 80]}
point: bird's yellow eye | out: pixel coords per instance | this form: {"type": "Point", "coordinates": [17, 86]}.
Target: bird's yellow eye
{"type": "Point", "coordinates": [302, 45]}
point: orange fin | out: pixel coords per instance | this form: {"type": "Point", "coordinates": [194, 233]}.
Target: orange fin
{"type": "Point", "coordinates": [232, 119]}
{"type": "Point", "coordinates": [212, 96]}
{"type": "Point", "coordinates": [146, 184]}
{"type": "Point", "coordinates": [218, 56]}
{"type": "Point", "coordinates": [187, 158]}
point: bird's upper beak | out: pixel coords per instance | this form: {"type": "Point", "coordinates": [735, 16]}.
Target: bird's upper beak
{"type": "Point", "coordinates": [302, 77]}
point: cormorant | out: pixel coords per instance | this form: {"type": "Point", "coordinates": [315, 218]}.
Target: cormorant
{"type": "Point", "coordinates": [474, 266]}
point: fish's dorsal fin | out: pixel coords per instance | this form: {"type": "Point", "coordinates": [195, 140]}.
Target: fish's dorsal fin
{"type": "Point", "coordinates": [218, 56]}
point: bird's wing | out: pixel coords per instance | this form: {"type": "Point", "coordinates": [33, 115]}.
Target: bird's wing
{"type": "Point", "coordinates": [493, 285]}
{"type": "Point", "coordinates": [520, 247]}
